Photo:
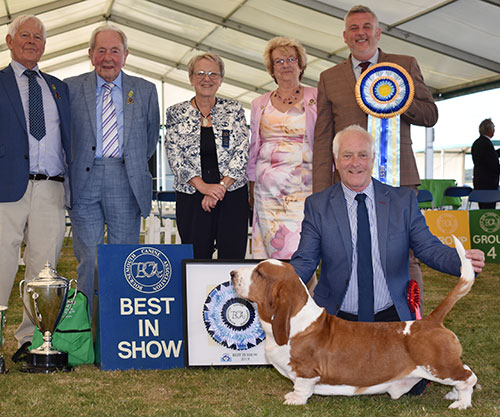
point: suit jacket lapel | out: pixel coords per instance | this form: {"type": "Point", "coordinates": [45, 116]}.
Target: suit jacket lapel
{"type": "Point", "coordinates": [7, 77]}
{"type": "Point", "coordinates": [339, 213]}
{"type": "Point", "coordinates": [128, 109]}
{"type": "Point", "coordinates": [350, 79]}
{"type": "Point", "coordinates": [382, 208]}
{"type": "Point", "coordinates": [89, 87]}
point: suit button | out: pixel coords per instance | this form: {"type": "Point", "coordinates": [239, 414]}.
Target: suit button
{"type": "Point", "coordinates": [25, 156]}
{"type": "Point", "coordinates": [87, 169]}
{"type": "Point", "coordinates": [93, 148]}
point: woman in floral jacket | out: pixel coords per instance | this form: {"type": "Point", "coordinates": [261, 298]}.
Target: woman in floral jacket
{"type": "Point", "coordinates": [207, 149]}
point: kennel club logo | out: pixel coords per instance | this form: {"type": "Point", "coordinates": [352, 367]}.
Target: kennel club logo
{"type": "Point", "coordinates": [490, 222]}
{"type": "Point", "coordinates": [147, 270]}
{"type": "Point", "coordinates": [447, 223]}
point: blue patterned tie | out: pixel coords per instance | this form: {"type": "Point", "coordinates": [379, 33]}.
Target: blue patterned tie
{"type": "Point", "coordinates": [110, 147]}
{"type": "Point", "coordinates": [365, 268]}
{"type": "Point", "coordinates": [36, 115]}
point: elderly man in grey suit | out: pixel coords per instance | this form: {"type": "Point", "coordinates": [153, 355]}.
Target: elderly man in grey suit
{"type": "Point", "coordinates": [338, 108]}
{"type": "Point", "coordinates": [114, 133]}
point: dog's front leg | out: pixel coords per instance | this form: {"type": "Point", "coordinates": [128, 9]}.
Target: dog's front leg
{"type": "Point", "coordinates": [302, 390]}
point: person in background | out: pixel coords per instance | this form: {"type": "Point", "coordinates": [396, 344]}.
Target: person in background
{"type": "Point", "coordinates": [35, 161]}
{"type": "Point", "coordinates": [115, 127]}
{"type": "Point", "coordinates": [486, 164]}
{"type": "Point", "coordinates": [280, 162]}
{"type": "Point", "coordinates": [207, 149]}
{"type": "Point", "coordinates": [338, 108]}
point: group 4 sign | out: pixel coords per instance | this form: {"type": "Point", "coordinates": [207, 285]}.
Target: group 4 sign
{"type": "Point", "coordinates": [140, 322]}
{"type": "Point", "coordinates": [476, 229]}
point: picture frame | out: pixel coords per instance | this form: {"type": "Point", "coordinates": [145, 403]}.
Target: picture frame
{"type": "Point", "coordinates": [221, 328]}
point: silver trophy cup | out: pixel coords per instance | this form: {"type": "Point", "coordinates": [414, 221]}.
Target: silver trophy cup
{"type": "Point", "coordinates": [47, 295]}
{"type": "Point", "coordinates": [3, 310]}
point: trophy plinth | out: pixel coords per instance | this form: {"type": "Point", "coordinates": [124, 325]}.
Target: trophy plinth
{"type": "Point", "coordinates": [47, 295]}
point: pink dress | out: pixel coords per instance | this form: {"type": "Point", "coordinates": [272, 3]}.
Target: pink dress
{"type": "Point", "coordinates": [283, 180]}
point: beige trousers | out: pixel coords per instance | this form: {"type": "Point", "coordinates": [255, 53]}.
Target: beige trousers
{"type": "Point", "coordinates": [38, 220]}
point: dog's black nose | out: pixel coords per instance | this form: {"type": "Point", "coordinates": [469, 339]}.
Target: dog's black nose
{"type": "Point", "coordinates": [232, 273]}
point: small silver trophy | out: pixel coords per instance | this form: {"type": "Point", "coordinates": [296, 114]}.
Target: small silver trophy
{"type": "Point", "coordinates": [48, 294]}
{"type": "Point", "coordinates": [3, 309]}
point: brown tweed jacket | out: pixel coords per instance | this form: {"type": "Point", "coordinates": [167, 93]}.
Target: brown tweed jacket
{"type": "Point", "coordinates": [337, 109]}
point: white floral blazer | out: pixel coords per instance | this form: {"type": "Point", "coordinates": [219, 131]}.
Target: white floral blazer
{"type": "Point", "coordinates": [183, 142]}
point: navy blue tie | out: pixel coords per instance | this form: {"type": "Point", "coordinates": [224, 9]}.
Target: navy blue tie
{"type": "Point", "coordinates": [36, 116]}
{"type": "Point", "coordinates": [365, 268]}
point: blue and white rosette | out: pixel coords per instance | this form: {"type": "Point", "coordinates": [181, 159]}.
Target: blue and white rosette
{"type": "Point", "coordinates": [231, 320]}
{"type": "Point", "coordinates": [385, 91]}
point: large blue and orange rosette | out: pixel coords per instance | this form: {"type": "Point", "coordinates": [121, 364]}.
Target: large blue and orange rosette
{"type": "Point", "coordinates": [385, 91]}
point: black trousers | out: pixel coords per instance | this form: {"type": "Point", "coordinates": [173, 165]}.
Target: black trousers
{"type": "Point", "coordinates": [389, 314]}
{"type": "Point", "coordinates": [224, 228]}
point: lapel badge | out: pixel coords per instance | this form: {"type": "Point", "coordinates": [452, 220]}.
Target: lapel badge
{"type": "Point", "coordinates": [130, 99]}
{"type": "Point", "coordinates": [312, 102]}
{"type": "Point", "coordinates": [58, 96]}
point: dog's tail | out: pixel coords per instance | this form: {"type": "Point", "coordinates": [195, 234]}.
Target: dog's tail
{"type": "Point", "coordinates": [460, 290]}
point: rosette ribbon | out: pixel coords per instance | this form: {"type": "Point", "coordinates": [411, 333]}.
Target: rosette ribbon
{"type": "Point", "coordinates": [385, 91]}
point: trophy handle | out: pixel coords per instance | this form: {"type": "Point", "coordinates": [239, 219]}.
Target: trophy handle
{"type": "Point", "coordinates": [72, 299]}
{"type": "Point", "coordinates": [26, 309]}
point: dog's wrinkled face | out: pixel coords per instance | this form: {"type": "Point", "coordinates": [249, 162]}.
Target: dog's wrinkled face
{"type": "Point", "coordinates": [276, 289]}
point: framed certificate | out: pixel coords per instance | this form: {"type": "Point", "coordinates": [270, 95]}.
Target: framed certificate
{"type": "Point", "coordinates": [222, 329]}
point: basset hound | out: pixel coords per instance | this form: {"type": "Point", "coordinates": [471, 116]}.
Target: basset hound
{"type": "Point", "coordinates": [323, 354]}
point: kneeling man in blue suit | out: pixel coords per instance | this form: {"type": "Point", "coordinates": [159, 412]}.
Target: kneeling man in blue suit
{"type": "Point", "coordinates": [394, 225]}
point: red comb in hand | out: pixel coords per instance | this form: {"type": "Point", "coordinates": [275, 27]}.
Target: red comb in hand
{"type": "Point", "coordinates": [414, 298]}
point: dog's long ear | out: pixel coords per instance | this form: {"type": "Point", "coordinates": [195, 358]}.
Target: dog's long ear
{"type": "Point", "coordinates": [282, 311]}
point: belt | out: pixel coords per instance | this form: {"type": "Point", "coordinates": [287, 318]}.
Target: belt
{"type": "Point", "coordinates": [57, 178]}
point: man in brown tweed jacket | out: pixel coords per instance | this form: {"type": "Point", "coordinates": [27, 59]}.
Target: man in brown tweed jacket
{"type": "Point", "coordinates": [337, 106]}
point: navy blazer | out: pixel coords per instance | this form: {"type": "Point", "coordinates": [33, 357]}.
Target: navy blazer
{"type": "Point", "coordinates": [14, 146]}
{"type": "Point", "coordinates": [326, 236]}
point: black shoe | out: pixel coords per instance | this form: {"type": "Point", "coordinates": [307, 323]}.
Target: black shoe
{"type": "Point", "coordinates": [418, 388]}
{"type": "Point", "coordinates": [21, 353]}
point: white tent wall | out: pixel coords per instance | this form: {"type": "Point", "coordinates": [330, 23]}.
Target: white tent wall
{"type": "Point", "coordinates": [448, 164]}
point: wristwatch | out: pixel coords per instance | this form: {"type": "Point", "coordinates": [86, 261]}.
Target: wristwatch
{"type": "Point", "coordinates": [224, 184]}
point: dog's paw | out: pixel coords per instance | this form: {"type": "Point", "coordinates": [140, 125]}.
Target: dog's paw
{"type": "Point", "coordinates": [460, 405]}
{"type": "Point", "coordinates": [292, 398]}
{"type": "Point", "coordinates": [452, 395]}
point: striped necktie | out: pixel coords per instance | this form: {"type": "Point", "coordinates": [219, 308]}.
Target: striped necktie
{"type": "Point", "coordinates": [35, 106]}
{"type": "Point", "coordinates": [110, 146]}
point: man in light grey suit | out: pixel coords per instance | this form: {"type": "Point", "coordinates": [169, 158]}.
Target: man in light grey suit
{"type": "Point", "coordinates": [114, 133]}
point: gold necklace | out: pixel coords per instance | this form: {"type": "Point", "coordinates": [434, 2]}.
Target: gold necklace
{"type": "Point", "coordinates": [288, 100]}
{"type": "Point", "coordinates": [205, 121]}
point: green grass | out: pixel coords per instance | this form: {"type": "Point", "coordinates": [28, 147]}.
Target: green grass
{"type": "Point", "coordinates": [88, 391]}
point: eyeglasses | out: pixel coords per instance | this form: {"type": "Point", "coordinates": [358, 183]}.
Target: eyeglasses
{"type": "Point", "coordinates": [212, 75]}
{"type": "Point", "coordinates": [282, 61]}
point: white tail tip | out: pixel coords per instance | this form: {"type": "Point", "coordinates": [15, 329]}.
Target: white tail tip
{"type": "Point", "coordinates": [467, 270]}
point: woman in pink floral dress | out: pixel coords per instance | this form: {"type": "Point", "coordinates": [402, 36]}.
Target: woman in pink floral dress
{"type": "Point", "coordinates": [280, 163]}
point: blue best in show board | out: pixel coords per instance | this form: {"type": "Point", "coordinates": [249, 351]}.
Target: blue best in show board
{"type": "Point", "coordinates": [140, 323]}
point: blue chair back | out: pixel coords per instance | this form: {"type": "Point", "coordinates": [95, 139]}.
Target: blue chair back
{"type": "Point", "coordinates": [462, 191]}
{"type": "Point", "coordinates": [424, 196]}
{"type": "Point", "coordinates": [483, 196]}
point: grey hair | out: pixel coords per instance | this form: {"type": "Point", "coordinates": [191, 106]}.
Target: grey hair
{"type": "Point", "coordinates": [348, 129]}
{"type": "Point", "coordinates": [486, 126]}
{"type": "Point", "coordinates": [18, 21]}
{"type": "Point", "coordinates": [108, 28]}
{"type": "Point", "coordinates": [360, 9]}
{"type": "Point", "coordinates": [207, 55]}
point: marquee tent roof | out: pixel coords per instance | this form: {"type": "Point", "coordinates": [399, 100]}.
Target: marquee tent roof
{"type": "Point", "coordinates": [457, 42]}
